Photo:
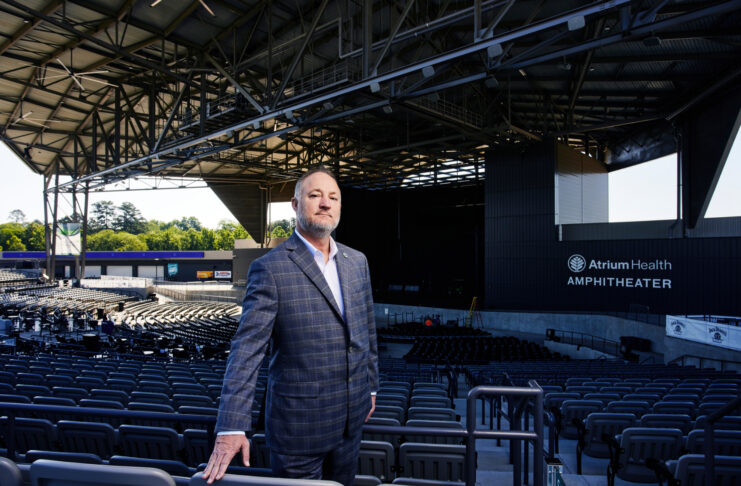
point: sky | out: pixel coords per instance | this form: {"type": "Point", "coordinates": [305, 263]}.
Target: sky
{"type": "Point", "coordinates": [640, 193]}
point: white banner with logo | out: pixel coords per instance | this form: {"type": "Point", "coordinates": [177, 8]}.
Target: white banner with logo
{"type": "Point", "coordinates": [704, 332]}
{"type": "Point", "coordinates": [68, 239]}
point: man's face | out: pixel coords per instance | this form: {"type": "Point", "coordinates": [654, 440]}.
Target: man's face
{"type": "Point", "coordinates": [318, 206]}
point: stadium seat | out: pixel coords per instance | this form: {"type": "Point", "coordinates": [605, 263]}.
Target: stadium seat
{"type": "Point", "coordinates": [176, 468]}
{"type": "Point", "coordinates": [432, 461]}
{"type": "Point", "coordinates": [150, 442]}
{"type": "Point", "coordinates": [431, 413]}
{"type": "Point", "coordinates": [679, 421]}
{"type": "Point", "coordinates": [10, 474]}
{"type": "Point", "coordinates": [681, 407]}
{"type": "Point", "coordinates": [30, 433]}
{"type": "Point", "coordinates": [605, 398]}
{"type": "Point", "coordinates": [95, 437]}
{"type": "Point", "coordinates": [366, 480]}
{"type": "Point", "coordinates": [376, 459]}
{"type": "Point", "coordinates": [637, 444]}
{"type": "Point", "coordinates": [430, 401]}
{"type": "Point", "coordinates": [636, 407]}
{"type": "Point", "coordinates": [85, 457]}
{"type": "Point", "coordinates": [729, 422]}
{"type": "Point", "coordinates": [238, 480]}
{"type": "Point", "coordinates": [393, 439]}
{"type": "Point", "coordinates": [74, 393]}
{"type": "Point", "coordinates": [426, 482]}
{"type": "Point", "coordinates": [150, 397]}
{"type": "Point", "coordinates": [259, 452]}
{"type": "Point", "coordinates": [196, 446]}
{"type": "Point", "coordinates": [725, 442]}
{"type": "Point", "coordinates": [56, 473]}
{"type": "Point", "coordinates": [392, 400]}
{"type": "Point", "coordinates": [595, 426]}
{"type": "Point", "coordinates": [434, 439]}
{"type": "Point", "coordinates": [690, 470]}
{"type": "Point", "coordinates": [575, 410]}
{"type": "Point", "coordinates": [115, 395]}
{"type": "Point", "coordinates": [388, 411]}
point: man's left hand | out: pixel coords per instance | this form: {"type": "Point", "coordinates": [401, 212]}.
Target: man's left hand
{"type": "Point", "coordinates": [373, 407]}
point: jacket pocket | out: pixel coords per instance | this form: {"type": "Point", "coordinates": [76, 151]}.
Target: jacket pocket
{"type": "Point", "coordinates": [299, 389]}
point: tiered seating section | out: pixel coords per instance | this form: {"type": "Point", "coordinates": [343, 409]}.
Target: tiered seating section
{"type": "Point", "coordinates": [63, 299]}
{"type": "Point", "coordinates": [196, 322]}
{"type": "Point", "coordinates": [477, 350]}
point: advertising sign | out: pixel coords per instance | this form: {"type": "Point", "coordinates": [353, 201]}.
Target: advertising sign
{"type": "Point", "coordinates": [223, 274]}
{"type": "Point", "coordinates": [204, 274]}
{"type": "Point", "coordinates": [704, 332]}
{"type": "Point", "coordinates": [172, 269]}
{"type": "Point", "coordinates": [68, 239]}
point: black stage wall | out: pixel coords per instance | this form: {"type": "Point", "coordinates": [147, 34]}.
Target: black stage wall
{"type": "Point", "coordinates": [528, 268]}
{"type": "Point", "coordinates": [424, 246]}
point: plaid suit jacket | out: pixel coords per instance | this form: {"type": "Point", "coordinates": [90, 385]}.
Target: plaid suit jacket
{"type": "Point", "coordinates": [322, 368]}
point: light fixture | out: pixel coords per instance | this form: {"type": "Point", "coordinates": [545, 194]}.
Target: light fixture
{"type": "Point", "coordinates": [428, 71]}
{"type": "Point", "coordinates": [375, 87]}
{"type": "Point", "coordinates": [576, 23]}
{"type": "Point", "coordinates": [491, 82]}
{"type": "Point", "coordinates": [494, 50]}
{"type": "Point", "coordinates": [388, 110]}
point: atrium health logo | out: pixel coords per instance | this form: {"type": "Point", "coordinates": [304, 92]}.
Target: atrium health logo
{"type": "Point", "coordinates": [577, 263]}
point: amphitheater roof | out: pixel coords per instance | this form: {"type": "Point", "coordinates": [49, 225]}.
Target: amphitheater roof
{"type": "Point", "coordinates": [387, 93]}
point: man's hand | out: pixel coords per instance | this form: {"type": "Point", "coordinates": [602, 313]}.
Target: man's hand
{"type": "Point", "coordinates": [225, 448]}
{"type": "Point", "coordinates": [373, 407]}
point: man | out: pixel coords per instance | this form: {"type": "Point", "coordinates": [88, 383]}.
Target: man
{"type": "Point", "coordinates": [312, 297]}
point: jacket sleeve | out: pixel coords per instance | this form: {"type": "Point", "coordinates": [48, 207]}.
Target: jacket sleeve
{"type": "Point", "coordinates": [248, 347]}
{"type": "Point", "coordinates": [372, 343]}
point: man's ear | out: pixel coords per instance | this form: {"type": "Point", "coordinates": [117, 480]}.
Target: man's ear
{"type": "Point", "coordinates": [294, 203]}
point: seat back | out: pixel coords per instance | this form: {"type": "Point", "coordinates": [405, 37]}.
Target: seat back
{"type": "Point", "coordinates": [95, 437]}
{"type": "Point", "coordinates": [10, 475]}
{"type": "Point", "coordinates": [641, 443]}
{"type": "Point", "coordinates": [376, 459]}
{"type": "Point", "coordinates": [431, 413]}
{"type": "Point", "coordinates": [45, 472]}
{"type": "Point", "coordinates": [394, 439]}
{"type": "Point", "coordinates": [434, 439]}
{"type": "Point", "coordinates": [691, 471]}
{"type": "Point", "coordinates": [433, 461]}
{"type": "Point", "coordinates": [150, 442]}
{"type": "Point", "coordinates": [679, 421]}
{"type": "Point", "coordinates": [598, 423]}
{"type": "Point", "coordinates": [725, 442]}
{"type": "Point", "coordinates": [30, 433]}
{"type": "Point", "coordinates": [576, 409]}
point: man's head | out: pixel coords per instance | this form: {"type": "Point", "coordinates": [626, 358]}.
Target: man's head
{"type": "Point", "coordinates": [317, 203]}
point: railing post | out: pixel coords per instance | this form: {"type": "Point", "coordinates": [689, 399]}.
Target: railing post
{"type": "Point", "coordinates": [471, 440]}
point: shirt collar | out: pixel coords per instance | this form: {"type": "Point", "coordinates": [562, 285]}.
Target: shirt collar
{"type": "Point", "coordinates": [314, 251]}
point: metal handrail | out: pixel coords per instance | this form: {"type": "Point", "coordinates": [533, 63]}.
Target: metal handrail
{"type": "Point", "coordinates": [588, 340]}
{"type": "Point", "coordinates": [471, 434]}
{"type": "Point", "coordinates": [710, 438]}
{"type": "Point", "coordinates": [680, 360]}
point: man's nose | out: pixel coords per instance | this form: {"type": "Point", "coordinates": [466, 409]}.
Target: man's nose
{"type": "Point", "coordinates": [325, 202]}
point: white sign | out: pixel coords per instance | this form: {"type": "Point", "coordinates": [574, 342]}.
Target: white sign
{"type": "Point", "coordinates": [633, 274]}
{"type": "Point", "coordinates": [704, 332]}
{"type": "Point", "coordinates": [68, 239]}
{"type": "Point", "coordinates": [222, 274]}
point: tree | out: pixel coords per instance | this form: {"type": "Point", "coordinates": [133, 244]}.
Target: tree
{"type": "Point", "coordinates": [192, 240]}
{"type": "Point", "coordinates": [103, 215]}
{"type": "Point", "coordinates": [224, 239]}
{"type": "Point", "coordinates": [17, 216]}
{"type": "Point", "coordinates": [34, 237]}
{"type": "Point", "coordinates": [208, 239]}
{"type": "Point", "coordinates": [9, 233]}
{"type": "Point", "coordinates": [129, 219]}
{"type": "Point", "coordinates": [188, 222]}
{"type": "Point", "coordinates": [278, 232]}
{"type": "Point", "coordinates": [169, 239]}
{"type": "Point", "coordinates": [108, 240]}
{"type": "Point", "coordinates": [14, 244]}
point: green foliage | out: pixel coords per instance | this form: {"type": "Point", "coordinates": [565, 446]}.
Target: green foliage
{"type": "Point", "coordinates": [102, 216]}
{"type": "Point", "coordinates": [109, 240]}
{"type": "Point", "coordinates": [186, 233]}
{"type": "Point", "coordinates": [286, 224]}
{"type": "Point", "coordinates": [11, 236]}
{"type": "Point", "coordinates": [129, 219]}
{"type": "Point", "coordinates": [34, 237]}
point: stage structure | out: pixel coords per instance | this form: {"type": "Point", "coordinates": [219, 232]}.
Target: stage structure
{"type": "Point", "coordinates": [245, 96]}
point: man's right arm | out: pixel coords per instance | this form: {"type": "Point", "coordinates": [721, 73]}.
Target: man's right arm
{"type": "Point", "coordinates": [259, 309]}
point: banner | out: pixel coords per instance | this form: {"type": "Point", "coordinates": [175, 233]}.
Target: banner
{"type": "Point", "coordinates": [172, 269]}
{"type": "Point", "coordinates": [204, 274]}
{"type": "Point", "coordinates": [68, 239]}
{"type": "Point", "coordinates": [704, 332]}
{"type": "Point", "coordinates": [223, 274]}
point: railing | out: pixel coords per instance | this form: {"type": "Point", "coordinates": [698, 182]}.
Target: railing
{"type": "Point", "coordinates": [582, 339]}
{"type": "Point", "coordinates": [724, 363]}
{"type": "Point", "coordinates": [710, 438]}
{"type": "Point", "coordinates": [529, 396]}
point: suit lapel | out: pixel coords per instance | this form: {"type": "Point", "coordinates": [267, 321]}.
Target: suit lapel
{"type": "Point", "coordinates": [343, 271]}
{"type": "Point", "coordinates": [303, 258]}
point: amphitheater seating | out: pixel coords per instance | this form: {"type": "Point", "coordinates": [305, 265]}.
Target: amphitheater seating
{"type": "Point", "coordinates": [376, 459]}
{"type": "Point", "coordinates": [690, 470]}
{"type": "Point", "coordinates": [10, 475]}
{"type": "Point", "coordinates": [56, 473]}
{"type": "Point", "coordinates": [596, 426]}
{"type": "Point", "coordinates": [635, 445]}
{"type": "Point", "coordinates": [432, 461]}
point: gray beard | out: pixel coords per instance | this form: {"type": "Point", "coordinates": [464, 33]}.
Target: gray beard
{"type": "Point", "coordinates": [317, 230]}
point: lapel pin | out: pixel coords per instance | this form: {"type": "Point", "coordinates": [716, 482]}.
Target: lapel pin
{"type": "Point", "coordinates": [344, 254]}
